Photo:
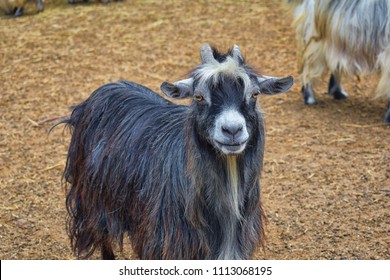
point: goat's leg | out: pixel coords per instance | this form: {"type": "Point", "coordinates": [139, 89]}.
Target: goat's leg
{"type": "Point", "coordinates": [107, 251]}
{"type": "Point", "coordinates": [308, 94]}
{"type": "Point", "coordinates": [383, 88]}
{"type": "Point", "coordinates": [387, 117]}
{"type": "Point", "coordinates": [40, 6]}
{"type": "Point", "coordinates": [335, 88]}
{"type": "Point", "coordinates": [19, 12]}
{"type": "Point", "coordinates": [312, 65]}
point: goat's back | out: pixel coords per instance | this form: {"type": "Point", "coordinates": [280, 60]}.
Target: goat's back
{"type": "Point", "coordinates": [122, 114]}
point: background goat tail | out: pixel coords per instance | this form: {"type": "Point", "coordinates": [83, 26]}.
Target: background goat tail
{"type": "Point", "coordinates": [311, 60]}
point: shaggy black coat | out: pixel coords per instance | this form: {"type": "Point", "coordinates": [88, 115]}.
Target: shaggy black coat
{"type": "Point", "coordinates": [138, 165]}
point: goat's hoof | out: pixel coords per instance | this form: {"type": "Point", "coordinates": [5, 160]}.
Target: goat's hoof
{"type": "Point", "coordinates": [310, 101]}
{"type": "Point", "coordinates": [339, 94]}
{"type": "Point", "coordinates": [308, 96]}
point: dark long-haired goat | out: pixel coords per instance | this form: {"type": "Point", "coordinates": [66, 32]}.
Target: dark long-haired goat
{"type": "Point", "coordinates": [181, 181]}
{"type": "Point", "coordinates": [347, 37]}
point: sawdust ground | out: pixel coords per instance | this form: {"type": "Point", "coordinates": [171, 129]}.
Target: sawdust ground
{"type": "Point", "coordinates": [326, 178]}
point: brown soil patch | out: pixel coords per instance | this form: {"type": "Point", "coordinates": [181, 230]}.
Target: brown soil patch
{"type": "Point", "coordinates": [326, 179]}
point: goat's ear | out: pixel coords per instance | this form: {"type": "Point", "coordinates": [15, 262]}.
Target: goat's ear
{"type": "Point", "coordinates": [273, 85]}
{"type": "Point", "coordinates": [178, 90]}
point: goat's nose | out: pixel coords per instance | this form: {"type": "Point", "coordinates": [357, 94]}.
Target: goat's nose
{"type": "Point", "coordinates": [232, 130]}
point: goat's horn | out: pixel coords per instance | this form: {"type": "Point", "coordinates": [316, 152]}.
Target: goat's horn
{"type": "Point", "coordinates": [206, 54]}
{"type": "Point", "coordinates": [236, 53]}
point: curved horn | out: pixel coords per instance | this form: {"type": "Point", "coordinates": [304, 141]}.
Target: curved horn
{"type": "Point", "coordinates": [206, 54]}
{"type": "Point", "coordinates": [237, 53]}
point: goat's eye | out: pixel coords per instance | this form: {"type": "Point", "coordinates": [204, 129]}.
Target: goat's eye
{"type": "Point", "coordinates": [255, 94]}
{"type": "Point", "coordinates": [198, 97]}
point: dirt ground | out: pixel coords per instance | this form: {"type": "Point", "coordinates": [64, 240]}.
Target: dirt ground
{"type": "Point", "coordinates": [326, 177]}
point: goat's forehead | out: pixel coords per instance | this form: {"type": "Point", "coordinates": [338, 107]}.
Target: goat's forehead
{"type": "Point", "coordinates": [213, 75]}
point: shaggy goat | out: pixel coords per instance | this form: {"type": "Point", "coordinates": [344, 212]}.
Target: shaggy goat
{"type": "Point", "coordinates": [181, 181]}
{"type": "Point", "coordinates": [16, 7]}
{"type": "Point", "coordinates": [348, 37]}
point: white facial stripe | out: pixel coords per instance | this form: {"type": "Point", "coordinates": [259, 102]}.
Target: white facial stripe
{"type": "Point", "coordinates": [230, 116]}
